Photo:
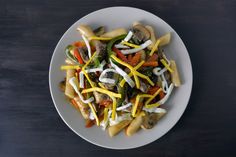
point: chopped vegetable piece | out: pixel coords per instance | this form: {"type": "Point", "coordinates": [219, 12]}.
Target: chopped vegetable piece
{"type": "Point", "coordinates": [105, 114]}
{"type": "Point", "coordinates": [175, 75]}
{"type": "Point", "coordinates": [166, 65]}
{"type": "Point", "coordinates": [99, 38]}
{"type": "Point", "coordinates": [129, 58]}
{"type": "Point", "coordinates": [154, 57]}
{"type": "Point", "coordinates": [152, 105]}
{"type": "Point", "coordinates": [150, 63]}
{"type": "Point", "coordinates": [115, 129]}
{"type": "Point", "coordinates": [155, 47]}
{"type": "Point", "coordinates": [114, 104]}
{"type": "Point", "coordinates": [68, 53]}
{"type": "Point", "coordinates": [123, 107]}
{"type": "Point", "coordinates": [70, 67]}
{"type": "Point", "coordinates": [165, 39]}
{"type": "Point", "coordinates": [109, 93]}
{"type": "Point", "coordinates": [105, 103]}
{"type": "Point", "coordinates": [163, 100]}
{"type": "Point", "coordinates": [137, 102]}
{"type": "Point", "coordinates": [112, 42]}
{"type": "Point", "coordinates": [119, 54]}
{"type": "Point", "coordinates": [99, 31]}
{"type": "Point", "coordinates": [84, 72]}
{"type": "Point", "coordinates": [122, 91]}
{"type": "Point", "coordinates": [153, 36]}
{"type": "Point", "coordinates": [69, 89]}
{"type": "Point", "coordinates": [135, 73]}
{"type": "Point", "coordinates": [131, 74]}
{"type": "Point", "coordinates": [89, 123]}
{"type": "Point", "coordinates": [122, 73]}
{"type": "Point", "coordinates": [78, 57]}
{"type": "Point", "coordinates": [88, 46]}
{"type": "Point", "coordinates": [135, 124]}
{"type": "Point", "coordinates": [142, 46]}
{"type": "Point", "coordinates": [94, 113]}
{"type": "Point", "coordinates": [74, 83]}
{"type": "Point", "coordinates": [101, 85]}
{"type": "Point", "coordinates": [114, 33]}
{"type": "Point", "coordinates": [79, 44]}
{"type": "Point", "coordinates": [129, 36]}
{"type": "Point", "coordinates": [130, 44]}
{"type": "Point", "coordinates": [153, 96]}
{"type": "Point", "coordinates": [135, 60]}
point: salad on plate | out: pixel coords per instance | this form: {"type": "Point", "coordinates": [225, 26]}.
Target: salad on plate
{"type": "Point", "coordinates": [119, 79]}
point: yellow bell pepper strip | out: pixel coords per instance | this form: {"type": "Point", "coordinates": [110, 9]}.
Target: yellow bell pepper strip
{"type": "Point", "coordinates": [84, 72]}
{"type": "Point", "coordinates": [94, 113]}
{"type": "Point", "coordinates": [122, 83]}
{"type": "Point", "coordinates": [101, 85]}
{"type": "Point", "coordinates": [166, 65]}
{"type": "Point", "coordinates": [68, 67]}
{"type": "Point", "coordinates": [155, 47]}
{"type": "Point", "coordinates": [112, 95]}
{"type": "Point", "coordinates": [130, 44]}
{"type": "Point", "coordinates": [137, 102]}
{"type": "Point", "coordinates": [152, 105]}
{"type": "Point", "coordinates": [105, 114]}
{"type": "Point", "coordinates": [153, 96]}
{"type": "Point", "coordinates": [89, 61]}
{"type": "Point", "coordinates": [132, 70]}
{"type": "Point", "coordinates": [98, 38]}
{"type": "Point", "coordinates": [114, 105]}
{"type": "Point", "coordinates": [90, 81]}
{"type": "Point", "coordinates": [109, 93]}
{"type": "Point", "coordinates": [146, 78]}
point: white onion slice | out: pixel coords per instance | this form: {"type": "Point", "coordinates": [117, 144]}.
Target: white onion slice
{"type": "Point", "coordinates": [124, 107]}
{"type": "Point", "coordinates": [121, 46]}
{"type": "Point", "coordinates": [73, 84]}
{"type": "Point", "coordinates": [102, 64]}
{"type": "Point", "coordinates": [107, 80]}
{"type": "Point", "coordinates": [124, 74]}
{"type": "Point", "coordinates": [169, 91]}
{"type": "Point", "coordinates": [81, 79]}
{"type": "Point", "coordinates": [93, 70]}
{"type": "Point", "coordinates": [91, 116]}
{"type": "Point", "coordinates": [88, 46]}
{"type": "Point", "coordinates": [142, 46]}
{"type": "Point", "coordinates": [129, 36]}
{"type": "Point", "coordinates": [164, 83]}
{"type": "Point", "coordinates": [154, 110]}
{"type": "Point", "coordinates": [158, 71]}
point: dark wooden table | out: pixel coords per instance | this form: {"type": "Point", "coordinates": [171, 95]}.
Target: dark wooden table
{"type": "Point", "coordinates": [29, 123]}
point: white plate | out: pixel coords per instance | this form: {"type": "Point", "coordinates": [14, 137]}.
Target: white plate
{"type": "Point", "coordinates": [115, 17]}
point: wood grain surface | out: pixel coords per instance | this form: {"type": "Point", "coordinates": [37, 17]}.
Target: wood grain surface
{"type": "Point", "coordinates": [29, 123]}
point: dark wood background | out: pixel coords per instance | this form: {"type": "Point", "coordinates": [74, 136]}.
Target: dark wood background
{"type": "Point", "coordinates": [29, 123]}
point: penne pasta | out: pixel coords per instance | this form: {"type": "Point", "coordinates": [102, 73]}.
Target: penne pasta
{"type": "Point", "coordinates": [69, 91]}
{"type": "Point", "coordinates": [115, 129]}
{"type": "Point", "coordinates": [165, 39]}
{"type": "Point", "coordinates": [114, 33]}
{"type": "Point", "coordinates": [175, 75]}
